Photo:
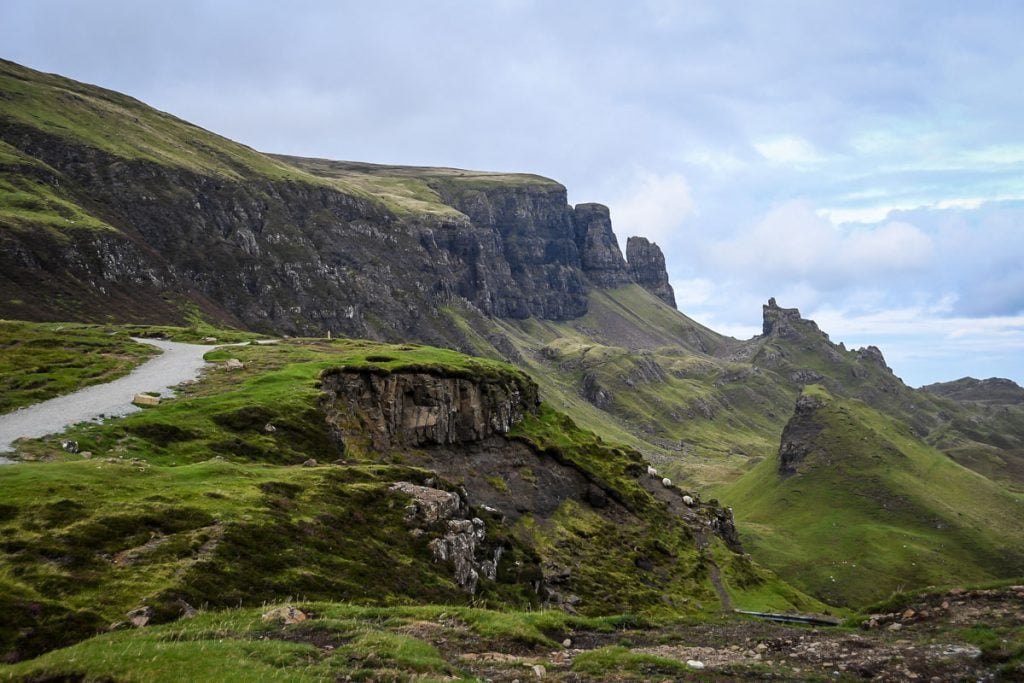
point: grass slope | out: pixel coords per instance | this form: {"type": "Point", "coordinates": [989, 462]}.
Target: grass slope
{"type": "Point", "coordinates": [873, 509]}
{"type": "Point", "coordinates": [207, 500]}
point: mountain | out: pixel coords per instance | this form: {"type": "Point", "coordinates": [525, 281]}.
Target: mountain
{"type": "Point", "coordinates": [113, 212]}
{"type": "Point", "coordinates": [854, 506]}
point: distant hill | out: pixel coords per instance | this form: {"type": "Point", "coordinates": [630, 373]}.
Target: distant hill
{"type": "Point", "coordinates": [854, 506]}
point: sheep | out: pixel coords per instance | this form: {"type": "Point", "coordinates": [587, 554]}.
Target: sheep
{"type": "Point", "coordinates": [666, 482]}
{"type": "Point", "coordinates": [688, 500]}
{"type": "Point", "coordinates": [651, 471]}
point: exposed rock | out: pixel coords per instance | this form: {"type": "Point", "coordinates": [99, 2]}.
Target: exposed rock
{"type": "Point", "coordinates": [140, 617]}
{"type": "Point", "coordinates": [459, 547]}
{"type": "Point", "coordinates": [286, 614]}
{"type": "Point", "coordinates": [872, 354]}
{"type": "Point", "coordinates": [233, 364]}
{"type": "Point", "coordinates": [798, 435]}
{"type": "Point", "coordinates": [69, 446]}
{"type": "Point", "coordinates": [647, 268]}
{"type": "Point", "coordinates": [785, 322]}
{"type": "Point", "coordinates": [592, 390]}
{"type": "Point", "coordinates": [405, 409]}
{"type": "Point", "coordinates": [600, 255]}
{"type": "Point", "coordinates": [146, 400]}
{"type": "Point", "coordinates": [430, 505]}
{"type": "Point", "coordinates": [311, 462]}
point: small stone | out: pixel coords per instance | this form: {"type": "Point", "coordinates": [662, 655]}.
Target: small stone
{"type": "Point", "coordinates": [945, 604]}
{"type": "Point", "coordinates": [761, 647]}
{"type": "Point", "coordinates": [209, 340]}
{"type": "Point", "coordinates": [233, 364]}
{"type": "Point", "coordinates": [269, 428]}
{"type": "Point", "coordinates": [146, 400]}
{"type": "Point", "coordinates": [909, 614]}
{"type": "Point", "coordinates": [309, 463]}
{"type": "Point", "coordinates": [539, 670]}
{"type": "Point", "coordinates": [86, 454]}
{"type": "Point", "coordinates": [694, 663]}
{"type": "Point", "coordinates": [287, 614]}
{"type": "Point", "coordinates": [140, 617]}
{"type": "Point", "coordinates": [566, 643]}
{"type": "Point", "coordinates": [895, 626]}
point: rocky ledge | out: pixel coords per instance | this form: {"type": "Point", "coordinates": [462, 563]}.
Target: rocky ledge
{"type": "Point", "coordinates": [423, 407]}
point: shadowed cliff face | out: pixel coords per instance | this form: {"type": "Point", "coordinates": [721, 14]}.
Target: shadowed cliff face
{"type": "Point", "coordinates": [647, 268]}
{"type": "Point", "coordinates": [299, 258]}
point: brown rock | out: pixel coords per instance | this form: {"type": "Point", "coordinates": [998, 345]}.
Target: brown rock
{"type": "Point", "coordinates": [286, 614]}
{"type": "Point", "coordinates": [146, 400]}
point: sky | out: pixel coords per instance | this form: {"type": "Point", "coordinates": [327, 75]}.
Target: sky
{"type": "Point", "coordinates": [863, 161]}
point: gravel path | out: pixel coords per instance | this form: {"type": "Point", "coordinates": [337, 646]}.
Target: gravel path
{"type": "Point", "coordinates": [177, 363]}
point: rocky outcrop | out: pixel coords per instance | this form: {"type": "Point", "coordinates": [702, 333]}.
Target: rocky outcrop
{"type": "Point", "coordinates": [647, 268]}
{"type": "Point", "coordinates": [384, 411]}
{"type": "Point", "coordinates": [785, 322]}
{"type": "Point", "coordinates": [798, 436]}
{"type": "Point", "coordinates": [600, 256]}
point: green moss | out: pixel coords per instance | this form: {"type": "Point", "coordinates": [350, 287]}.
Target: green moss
{"type": "Point", "coordinates": [39, 361]}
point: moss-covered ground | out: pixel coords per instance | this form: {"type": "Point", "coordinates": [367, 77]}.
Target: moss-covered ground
{"type": "Point", "coordinates": [40, 361]}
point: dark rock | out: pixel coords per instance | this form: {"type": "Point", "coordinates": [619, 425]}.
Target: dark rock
{"type": "Point", "coordinates": [601, 258]}
{"type": "Point", "coordinates": [400, 409]}
{"type": "Point", "coordinates": [785, 322]}
{"type": "Point", "coordinates": [596, 496]}
{"type": "Point", "coordinates": [592, 390]}
{"type": "Point", "coordinates": [647, 268]}
{"type": "Point", "coordinates": [798, 435]}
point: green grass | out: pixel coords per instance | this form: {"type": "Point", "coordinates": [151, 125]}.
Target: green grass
{"type": "Point", "coordinates": [43, 360]}
{"type": "Point", "coordinates": [873, 510]}
{"type": "Point", "coordinates": [337, 640]}
{"type": "Point", "coordinates": [616, 659]}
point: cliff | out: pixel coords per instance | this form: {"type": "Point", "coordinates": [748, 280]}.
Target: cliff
{"type": "Point", "coordinates": [647, 268]}
{"type": "Point", "coordinates": [130, 214]}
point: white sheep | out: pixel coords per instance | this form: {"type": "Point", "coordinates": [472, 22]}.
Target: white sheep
{"type": "Point", "coordinates": [666, 482]}
{"type": "Point", "coordinates": [688, 500]}
{"type": "Point", "coordinates": [651, 471]}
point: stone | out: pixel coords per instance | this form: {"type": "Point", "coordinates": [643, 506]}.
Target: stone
{"type": "Point", "coordinates": [895, 626]}
{"type": "Point", "coordinates": [139, 617]}
{"type": "Point", "coordinates": [209, 340]}
{"type": "Point", "coordinates": [233, 364]}
{"type": "Point", "coordinates": [458, 547]}
{"type": "Point", "coordinates": [647, 268]}
{"type": "Point", "coordinates": [69, 446]}
{"type": "Point", "coordinates": [286, 614]}
{"type": "Point", "coordinates": [269, 428]}
{"type": "Point", "coordinates": [908, 614]}
{"type": "Point", "coordinates": [411, 409]}
{"type": "Point", "coordinates": [146, 400]}
{"type": "Point", "coordinates": [86, 454]}
{"type": "Point", "coordinates": [596, 496]}
{"type": "Point", "coordinates": [309, 463]}
{"type": "Point", "coordinates": [695, 664]}
{"type": "Point", "coordinates": [429, 505]}
{"type": "Point", "coordinates": [600, 256]}
{"type": "Point", "coordinates": [567, 643]}
{"type": "Point", "coordinates": [538, 670]}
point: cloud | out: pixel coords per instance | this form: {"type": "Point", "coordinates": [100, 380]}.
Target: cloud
{"type": "Point", "coordinates": [788, 149]}
{"type": "Point", "coordinates": [653, 206]}
{"type": "Point", "coordinates": [793, 242]}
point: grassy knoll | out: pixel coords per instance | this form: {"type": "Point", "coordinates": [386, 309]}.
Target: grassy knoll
{"type": "Point", "coordinates": [40, 361]}
{"type": "Point", "coordinates": [872, 509]}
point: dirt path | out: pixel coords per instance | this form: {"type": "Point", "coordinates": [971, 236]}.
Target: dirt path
{"type": "Point", "coordinates": [178, 363]}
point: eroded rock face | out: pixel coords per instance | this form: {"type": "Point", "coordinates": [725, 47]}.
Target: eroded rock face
{"type": "Point", "coordinates": [785, 322]}
{"type": "Point", "coordinates": [798, 435]}
{"type": "Point", "coordinates": [647, 268]}
{"type": "Point", "coordinates": [599, 249]}
{"type": "Point", "coordinates": [409, 409]}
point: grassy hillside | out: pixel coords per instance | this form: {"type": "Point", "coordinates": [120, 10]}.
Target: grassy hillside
{"type": "Point", "coordinates": [238, 493]}
{"type": "Point", "coordinates": [872, 509]}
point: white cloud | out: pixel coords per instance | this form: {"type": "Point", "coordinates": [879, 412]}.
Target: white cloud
{"type": "Point", "coordinates": [793, 242]}
{"type": "Point", "coordinates": [653, 206]}
{"type": "Point", "coordinates": [788, 149]}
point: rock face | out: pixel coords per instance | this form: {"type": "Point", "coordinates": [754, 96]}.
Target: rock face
{"type": "Point", "coordinates": [785, 322]}
{"type": "Point", "coordinates": [409, 409]}
{"type": "Point", "coordinates": [647, 268]}
{"type": "Point", "coordinates": [798, 435]}
{"type": "Point", "coordinates": [600, 256]}
{"type": "Point", "coordinates": [288, 251]}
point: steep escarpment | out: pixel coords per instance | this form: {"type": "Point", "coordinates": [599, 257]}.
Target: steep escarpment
{"type": "Point", "coordinates": [108, 205]}
{"type": "Point", "coordinates": [647, 267]}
